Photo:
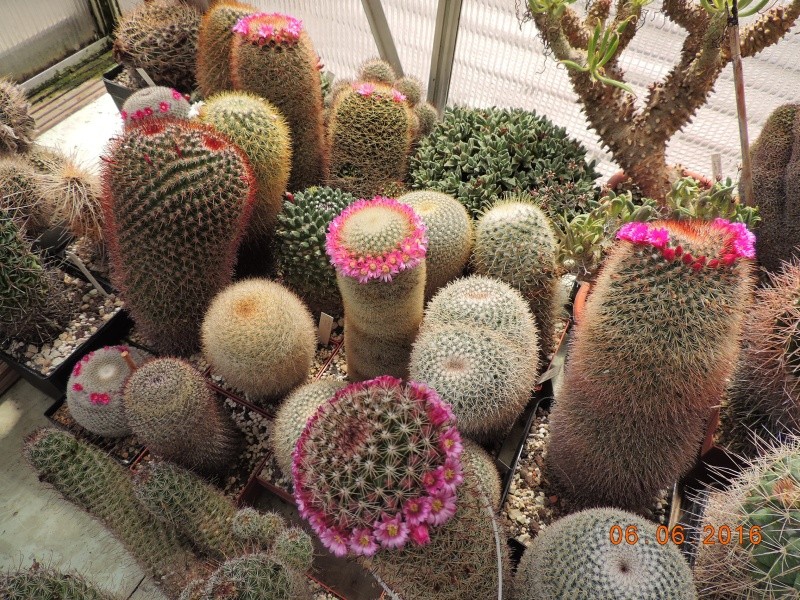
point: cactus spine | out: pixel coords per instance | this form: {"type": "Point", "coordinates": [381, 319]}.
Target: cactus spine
{"type": "Point", "coordinates": [214, 45]}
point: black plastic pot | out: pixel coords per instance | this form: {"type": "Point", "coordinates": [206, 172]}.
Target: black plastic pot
{"type": "Point", "coordinates": [117, 91]}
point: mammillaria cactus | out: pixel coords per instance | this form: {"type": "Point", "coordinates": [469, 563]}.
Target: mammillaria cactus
{"type": "Point", "coordinates": [38, 583]}
{"type": "Point", "coordinates": [658, 339]}
{"type": "Point", "coordinates": [96, 386]}
{"type": "Point", "coordinates": [378, 248]}
{"type": "Point", "coordinates": [378, 466]}
{"type": "Point", "coordinates": [485, 471]}
{"type": "Point", "coordinates": [177, 199]}
{"type": "Point", "coordinates": [257, 529]}
{"type": "Point", "coordinates": [294, 549]}
{"type": "Point", "coordinates": [17, 126]}
{"type": "Point", "coordinates": [411, 88]}
{"type": "Point", "coordinates": [377, 70]}
{"type": "Point", "coordinates": [253, 577]}
{"type": "Point", "coordinates": [272, 56]}
{"type": "Point", "coordinates": [21, 196]}
{"type": "Point", "coordinates": [174, 413]}
{"type": "Point", "coordinates": [214, 45]}
{"type": "Point", "coordinates": [260, 337]}
{"type": "Point", "coordinates": [300, 246]}
{"type": "Point", "coordinates": [154, 102]}
{"type": "Point", "coordinates": [450, 236]}
{"type": "Point", "coordinates": [576, 558]}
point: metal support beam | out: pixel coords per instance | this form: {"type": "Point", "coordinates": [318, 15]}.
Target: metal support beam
{"type": "Point", "coordinates": [448, 16]}
{"type": "Point", "coordinates": [382, 34]}
{"type": "Point", "coordinates": [106, 13]}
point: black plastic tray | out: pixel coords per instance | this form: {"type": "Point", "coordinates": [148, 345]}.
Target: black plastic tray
{"type": "Point", "coordinates": [118, 92]}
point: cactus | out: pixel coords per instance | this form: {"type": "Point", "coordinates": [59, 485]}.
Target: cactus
{"type": "Point", "coordinates": [378, 248]}
{"type": "Point", "coordinates": [485, 470]}
{"type": "Point", "coordinates": [300, 242]}
{"type": "Point", "coordinates": [177, 199]}
{"type": "Point", "coordinates": [17, 126]}
{"type": "Point", "coordinates": [214, 45]}
{"type": "Point", "coordinates": [761, 511]}
{"type": "Point", "coordinates": [272, 56]}
{"type": "Point", "coordinates": [91, 479]}
{"type": "Point", "coordinates": [21, 195]}
{"type": "Point", "coordinates": [294, 549]}
{"type": "Point", "coordinates": [487, 380]}
{"type": "Point", "coordinates": [38, 583]}
{"type": "Point", "coordinates": [427, 118]}
{"type": "Point", "coordinates": [172, 411]}
{"type": "Point", "coordinates": [411, 88]}
{"type": "Point", "coordinates": [95, 390]}
{"type": "Point", "coordinates": [450, 236]}
{"type": "Point", "coordinates": [378, 466]}
{"type": "Point", "coordinates": [576, 558]}
{"type": "Point", "coordinates": [658, 339]}
{"type": "Point", "coordinates": [255, 577]}
{"type": "Point", "coordinates": [155, 102]}
{"type": "Point", "coordinates": [294, 412]}
{"type": "Point", "coordinates": [370, 132]}
{"type": "Point", "coordinates": [515, 243]}
{"type": "Point", "coordinates": [257, 529]}
{"type": "Point", "coordinates": [159, 36]}
{"type": "Point", "coordinates": [260, 337]}
{"type": "Point", "coordinates": [377, 70]}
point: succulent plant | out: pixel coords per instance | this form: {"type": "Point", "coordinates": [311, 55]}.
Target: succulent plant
{"type": "Point", "coordinates": [658, 338]}
{"type": "Point", "coordinates": [410, 87]}
{"type": "Point", "coordinates": [294, 549]}
{"type": "Point", "coordinates": [38, 583]}
{"type": "Point", "coordinates": [485, 469]}
{"type": "Point", "coordinates": [254, 577]}
{"type": "Point", "coordinates": [159, 36]}
{"type": "Point", "coordinates": [427, 118]}
{"type": "Point", "coordinates": [156, 102]}
{"type": "Point", "coordinates": [260, 337]}
{"type": "Point", "coordinates": [95, 389]}
{"type": "Point", "coordinates": [576, 558]}
{"type": "Point", "coordinates": [21, 196]}
{"type": "Point", "coordinates": [477, 155]}
{"type": "Point", "coordinates": [174, 413]}
{"type": "Point", "coordinates": [378, 248]}
{"type": "Point", "coordinates": [300, 246]}
{"type": "Point", "coordinates": [214, 41]}
{"type": "Point", "coordinates": [272, 56]}
{"type": "Point", "coordinates": [450, 236]}
{"type": "Point", "coordinates": [17, 126]}
{"type": "Point", "coordinates": [378, 466]}
{"type": "Point", "coordinates": [177, 199]}
{"type": "Point", "coordinates": [257, 529]}
{"type": "Point", "coordinates": [294, 413]}
{"type": "Point", "coordinates": [377, 70]}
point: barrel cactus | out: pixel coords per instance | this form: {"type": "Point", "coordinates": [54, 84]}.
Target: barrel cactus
{"type": "Point", "coordinates": [260, 337]}
{"type": "Point", "coordinates": [38, 583]}
{"type": "Point", "coordinates": [154, 102]}
{"type": "Point", "coordinates": [378, 248]}
{"type": "Point", "coordinates": [576, 558]}
{"type": "Point", "coordinates": [376, 70]}
{"type": "Point", "coordinates": [294, 549]}
{"type": "Point", "coordinates": [177, 200]}
{"type": "Point", "coordinates": [658, 339]}
{"type": "Point", "coordinates": [485, 469]}
{"type": "Point", "coordinates": [21, 195]}
{"type": "Point", "coordinates": [17, 126]}
{"type": "Point", "coordinates": [252, 577]}
{"type": "Point", "coordinates": [257, 529]}
{"type": "Point", "coordinates": [214, 45]}
{"type": "Point", "coordinates": [96, 386]}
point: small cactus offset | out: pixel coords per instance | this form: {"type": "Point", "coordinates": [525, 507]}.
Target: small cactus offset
{"type": "Point", "coordinates": [17, 126]}
{"type": "Point", "coordinates": [294, 549]}
{"type": "Point", "coordinates": [21, 195]}
{"type": "Point", "coordinates": [252, 577]}
{"type": "Point", "coordinates": [177, 200]}
{"type": "Point", "coordinates": [96, 386]}
{"type": "Point", "coordinates": [155, 102]}
{"type": "Point", "coordinates": [214, 45]}
{"type": "Point", "coordinates": [576, 558]}
{"type": "Point", "coordinates": [658, 339]}
{"type": "Point", "coordinates": [38, 583]}
{"type": "Point", "coordinates": [174, 413]}
{"type": "Point", "coordinates": [378, 248]}
{"type": "Point", "coordinates": [377, 70]}
{"type": "Point", "coordinates": [256, 529]}
{"type": "Point", "coordinates": [485, 469]}
{"type": "Point", "coordinates": [272, 56]}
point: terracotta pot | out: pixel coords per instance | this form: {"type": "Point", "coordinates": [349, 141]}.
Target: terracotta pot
{"type": "Point", "coordinates": [580, 301]}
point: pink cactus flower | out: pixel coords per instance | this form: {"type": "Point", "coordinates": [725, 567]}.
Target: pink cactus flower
{"type": "Point", "coordinates": [334, 541]}
{"type": "Point", "coordinates": [99, 398]}
{"type": "Point", "coordinates": [124, 115]}
{"type": "Point", "coordinates": [416, 510]}
{"type": "Point", "coordinates": [176, 94]}
{"type": "Point", "coordinates": [391, 532]}
{"type": "Point", "coordinates": [398, 96]}
{"type": "Point", "coordinates": [76, 370]}
{"type": "Point", "coordinates": [164, 107]}
{"type": "Point", "coordinates": [450, 443]}
{"type": "Point", "coordinates": [363, 542]}
{"type": "Point", "coordinates": [419, 534]}
{"type": "Point", "coordinates": [443, 507]}
{"type": "Point", "coordinates": [365, 89]}
{"type": "Point", "coordinates": [450, 474]}
{"type": "Point", "coordinates": [77, 387]}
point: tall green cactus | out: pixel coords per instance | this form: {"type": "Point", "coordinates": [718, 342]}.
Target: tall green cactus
{"type": "Point", "coordinates": [214, 45]}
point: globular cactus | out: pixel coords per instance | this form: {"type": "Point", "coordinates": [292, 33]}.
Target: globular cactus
{"type": "Point", "coordinates": [260, 337]}
{"type": "Point", "coordinates": [370, 131]}
{"type": "Point", "coordinates": [576, 558]}
{"type": "Point", "coordinates": [96, 386]}
{"type": "Point", "coordinates": [272, 56]}
{"type": "Point", "coordinates": [174, 413]}
{"type": "Point", "coordinates": [411, 88]}
{"type": "Point", "coordinates": [378, 248]}
{"type": "Point", "coordinates": [485, 469]}
{"type": "Point", "coordinates": [515, 242]}
{"type": "Point", "coordinates": [177, 199]}
{"type": "Point", "coordinates": [427, 118]}
{"type": "Point", "coordinates": [378, 466]}
{"type": "Point", "coordinates": [294, 549]}
{"type": "Point", "coordinates": [159, 36]}
{"type": "Point", "coordinates": [38, 583]}
{"type": "Point", "coordinates": [155, 102]}
{"type": "Point", "coordinates": [91, 479]}
{"type": "Point", "coordinates": [17, 126]}
{"type": "Point", "coordinates": [300, 246]}
{"type": "Point", "coordinates": [21, 196]}
{"type": "Point", "coordinates": [658, 339]}
{"type": "Point", "coordinates": [758, 516]}
{"type": "Point", "coordinates": [257, 529]}
{"type": "Point", "coordinates": [376, 70]}
{"type": "Point", "coordinates": [253, 577]}
{"type": "Point", "coordinates": [294, 413]}
{"type": "Point", "coordinates": [450, 236]}
{"type": "Point", "coordinates": [214, 45]}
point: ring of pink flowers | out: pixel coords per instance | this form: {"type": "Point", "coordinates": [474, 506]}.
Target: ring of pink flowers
{"type": "Point", "coordinates": [290, 32]}
{"type": "Point", "coordinates": [333, 536]}
{"type": "Point", "coordinates": [368, 90]}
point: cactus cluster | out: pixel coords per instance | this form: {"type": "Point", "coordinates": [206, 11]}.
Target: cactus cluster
{"type": "Point", "coordinates": [177, 199]}
{"type": "Point", "coordinates": [156, 102]}
{"type": "Point", "coordinates": [576, 558]}
{"type": "Point", "coordinates": [38, 583]}
{"type": "Point", "coordinates": [260, 337]}
{"type": "Point", "coordinates": [256, 529]}
{"type": "Point", "coordinates": [17, 126]}
{"type": "Point", "coordinates": [214, 45]}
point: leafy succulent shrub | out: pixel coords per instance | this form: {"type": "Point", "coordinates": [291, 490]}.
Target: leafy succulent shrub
{"type": "Point", "coordinates": [17, 126]}
{"type": "Point", "coordinates": [38, 583]}
{"type": "Point", "coordinates": [477, 155]}
{"type": "Point", "coordinates": [214, 40]}
{"type": "Point", "coordinates": [154, 102]}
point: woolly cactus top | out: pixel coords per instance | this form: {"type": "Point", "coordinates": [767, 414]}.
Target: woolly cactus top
{"type": "Point", "coordinates": [107, 371]}
{"type": "Point", "coordinates": [380, 92]}
{"type": "Point", "coordinates": [376, 239]}
{"type": "Point", "coordinates": [264, 28]}
{"type": "Point", "coordinates": [737, 242]}
{"type": "Point", "coordinates": [377, 466]}
{"type": "Point", "coordinates": [161, 105]}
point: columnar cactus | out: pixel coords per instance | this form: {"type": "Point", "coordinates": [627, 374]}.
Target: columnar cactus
{"type": "Point", "coordinates": [172, 411]}
{"type": "Point", "coordinates": [214, 45]}
{"type": "Point", "coordinates": [17, 126]}
{"type": "Point", "coordinates": [378, 248]}
{"type": "Point", "coordinates": [576, 558]}
{"type": "Point", "coordinates": [272, 56]}
{"type": "Point", "coordinates": [177, 199]}
{"type": "Point", "coordinates": [95, 390]}
{"type": "Point", "coordinates": [155, 102]}
{"type": "Point", "coordinates": [260, 337]}
{"type": "Point", "coordinates": [658, 339]}
{"type": "Point", "coordinates": [378, 466]}
{"type": "Point", "coordinates": [450, 236]}
{"type": "Point", "coordinates": [38, 583]}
